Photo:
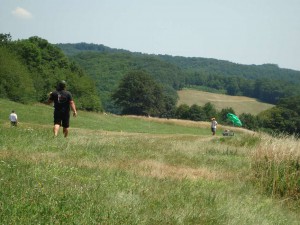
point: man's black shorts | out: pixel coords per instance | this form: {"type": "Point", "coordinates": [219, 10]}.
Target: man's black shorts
{"type": "Point", "coordinates": [62, 118]}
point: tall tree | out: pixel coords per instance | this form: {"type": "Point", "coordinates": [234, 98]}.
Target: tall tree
{"type": "Point", "coordinates": [249, 121]}
{"type": "Point", "coordinates": [139, 94]}
{"type": "Point", "coordinates": [210, 110]}
{"type": "Point", "coordinates": [183, 112]}
{"type": "Point", "coordinates": [223, 115]}
{"type": "Point", "coordinates": [197, 113]}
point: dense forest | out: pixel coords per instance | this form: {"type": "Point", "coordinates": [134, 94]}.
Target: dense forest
{"type": "Point", "coordinates": [119, 81]}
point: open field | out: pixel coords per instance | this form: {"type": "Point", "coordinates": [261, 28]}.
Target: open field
{"type": "Point", "coordinates": [240, 104]}
{"type": "Point", "coordinates": [134, 170]}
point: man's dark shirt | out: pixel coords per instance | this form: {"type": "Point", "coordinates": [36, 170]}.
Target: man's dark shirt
{"type": "Point", "coordinates": [61, 100]}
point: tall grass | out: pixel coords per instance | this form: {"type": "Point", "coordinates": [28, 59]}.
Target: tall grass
{"type": "Point", "coordinates": [103, 173]}
{"type": "Point", "coordinates": [276, 166]}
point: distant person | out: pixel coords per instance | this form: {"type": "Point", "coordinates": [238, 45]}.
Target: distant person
{"type": "Point", "coordinates": [63, 101]}
{"type": "Point", "coordinates": [214, 124]}
{"type": "Point", "coordinates": [13, 117]}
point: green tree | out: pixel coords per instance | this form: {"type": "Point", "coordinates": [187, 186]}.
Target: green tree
{"type": "Point", "coordinates": [210, 110]}
{"type": "Point", "coordinates": [196, 113]}
{"type": "Point", "coordinates": [249, 121]}
{"type": "Point", "coordinates": [223, 115]}
{"type": "Point", "coordinates": [139, 94]}
{"type": "Point", "coordinates": [170, 106]}
{"type": "Point", "coordinates": [292, 103]}
{"type": "Point", "coordinates": [15, 81]}
{"type": "Point", "coordinates": [284, 117]}
{"type": "Point", "coordinates": [280, 120]}
{"type": "Point", "coordinates": [233, 86]}
{"type": "Point", "coordinates": [5, 39]}
{"type": "Point", "coordinates": [182, 112]}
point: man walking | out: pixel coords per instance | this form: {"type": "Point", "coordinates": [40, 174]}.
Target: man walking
{"type": "Point", "coordinates": [63, 102]}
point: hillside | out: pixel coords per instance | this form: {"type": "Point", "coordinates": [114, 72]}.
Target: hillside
{"type": "Point", "coordinates": [227, 68]}
{"type": "Point", "coordinates": [267, 83]}
{"type": "Point", "coordinates": [133, 170]}
{"type": "Point", "coordinates": [240, 104]}
{"type": "Point", "coordinates": [195, 64]}
{"type": "Point", "coordinates": [107, 69]}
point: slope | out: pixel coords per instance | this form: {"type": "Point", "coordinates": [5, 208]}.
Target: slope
{"type": "Point", "coordinates": [102, 175]}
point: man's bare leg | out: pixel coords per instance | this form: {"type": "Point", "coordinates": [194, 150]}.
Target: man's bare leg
{"type": "Point", "coordinates": [65, 131]}
{"type": "Point", "coordinates": [56, 129]}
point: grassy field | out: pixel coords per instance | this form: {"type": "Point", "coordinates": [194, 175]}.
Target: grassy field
{"type": "Point", "coordinates": [240, 104]}
{"type": "Point", "coordinates": [132, 170]}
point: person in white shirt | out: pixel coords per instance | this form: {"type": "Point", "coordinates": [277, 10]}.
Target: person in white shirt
{"type": "Point", "coordinates": [13, 118]}
{"type": "Point", "coordinates": [214, 124]}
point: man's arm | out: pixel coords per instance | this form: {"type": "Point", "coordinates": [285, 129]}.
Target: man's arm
{"type": "Point", "coordinates": [73, 107]}
{"type": "Point", "coordinates": [49, 100]}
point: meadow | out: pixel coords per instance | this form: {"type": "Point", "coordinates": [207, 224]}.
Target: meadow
{"type": "Point", "coordinates": [133, 170]}
{"type": "Point", "coordinates": [240, 104]}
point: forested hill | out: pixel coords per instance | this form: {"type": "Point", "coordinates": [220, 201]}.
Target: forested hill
{"type": "Point", "coordinates": [226, 68]}
{"type": "Point", "coordinates": [107, 66]}
{"type": "Point", "coordinates": [73, 49]}
{"type": "Point", "coordinates": [197, 64]}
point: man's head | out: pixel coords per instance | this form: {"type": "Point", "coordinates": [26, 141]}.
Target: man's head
{"type": "Point", "coordinates": [61, 85]}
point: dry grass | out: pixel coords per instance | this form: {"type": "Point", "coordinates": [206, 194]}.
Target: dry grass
{"type": "Point", "coordinates": [276, 166]}
{"type": "Point", "coordinates": [277, 149]}
{"type": "Point", "coordinates": [162, 170]}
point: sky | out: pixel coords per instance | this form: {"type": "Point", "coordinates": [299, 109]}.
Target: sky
{"type": "Point", "coordinates": [239, 31]}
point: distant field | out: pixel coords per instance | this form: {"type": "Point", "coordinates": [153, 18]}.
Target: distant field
{"type": "Point", "coordinates": [240, 104]}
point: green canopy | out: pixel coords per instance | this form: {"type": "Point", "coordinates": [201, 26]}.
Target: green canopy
{"type": "Point", "coordinates": [234, 119]}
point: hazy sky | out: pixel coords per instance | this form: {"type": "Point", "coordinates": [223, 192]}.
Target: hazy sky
{"type": "Point", "coordinates": [240, 31]}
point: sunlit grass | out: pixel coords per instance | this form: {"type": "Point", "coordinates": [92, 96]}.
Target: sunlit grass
{"type": "Point", "coordinates": [240, 104]}
{"type": "Point", "coordinates": [276, 166]}
{"type": "Point", "coordinates": [173, 173]}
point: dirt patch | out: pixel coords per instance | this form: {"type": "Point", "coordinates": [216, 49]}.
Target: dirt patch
{"type": "Point", "coordinates": [5, 154]}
